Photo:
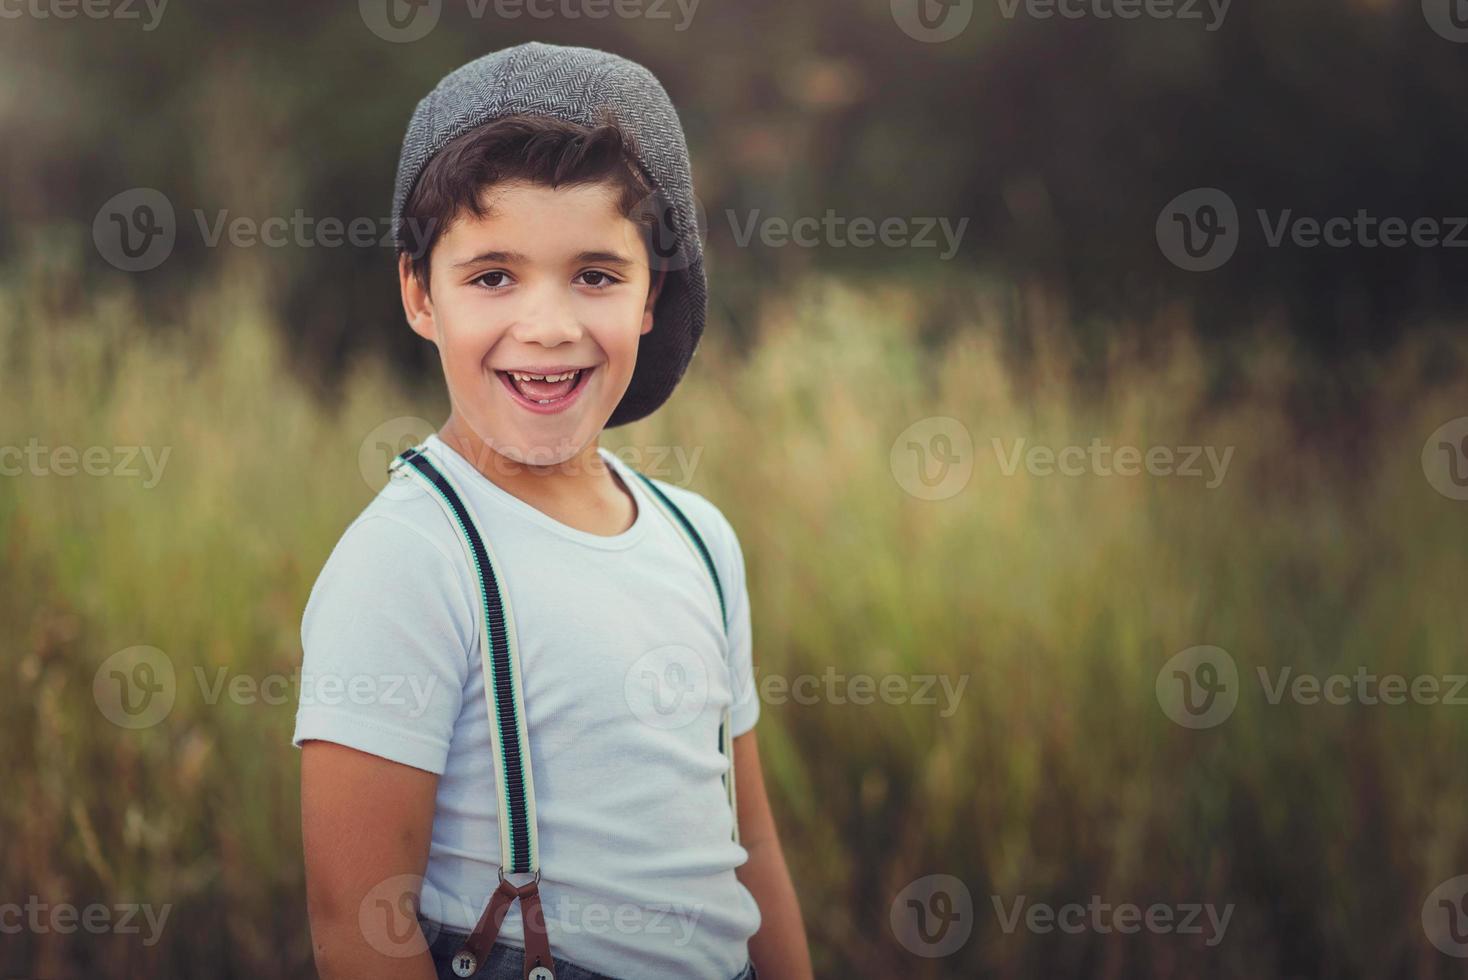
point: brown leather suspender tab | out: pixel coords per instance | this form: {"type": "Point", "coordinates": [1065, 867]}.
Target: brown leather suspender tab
{"type": "Point", "coordinates": [538, 962]}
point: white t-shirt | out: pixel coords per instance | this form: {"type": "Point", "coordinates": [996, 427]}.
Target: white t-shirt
{"type": "Point", "coordinates": [625, 682]}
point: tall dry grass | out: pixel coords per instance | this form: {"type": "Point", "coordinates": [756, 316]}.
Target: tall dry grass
{"type": "Point", "coordinates": [1057, 777]}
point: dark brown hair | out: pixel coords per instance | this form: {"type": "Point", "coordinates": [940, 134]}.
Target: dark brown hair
{"type": "Point", "coordinates": [538, 149]}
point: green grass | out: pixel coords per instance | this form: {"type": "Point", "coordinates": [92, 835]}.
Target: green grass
{"type": "Point", "coordinates": [1058, 777]}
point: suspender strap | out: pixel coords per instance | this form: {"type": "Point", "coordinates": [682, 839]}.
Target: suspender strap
{"type": "Point", "coordinates": [691, 537]}
{"type": "Point", "coordinates": [505, 702]}
{"type": "Point", "coordinates": [538, 962]}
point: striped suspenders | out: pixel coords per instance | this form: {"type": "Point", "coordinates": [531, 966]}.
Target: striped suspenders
{"type": "Point", "coordinates": [691, 538]}
{"type": "Point", "coordinates": [509, 738]}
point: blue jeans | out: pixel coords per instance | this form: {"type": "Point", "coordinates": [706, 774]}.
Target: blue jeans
{"type": "Point", "coordinates": [507, 962]}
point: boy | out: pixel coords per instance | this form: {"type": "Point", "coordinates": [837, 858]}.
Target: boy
{"type": "Point", "coordinates": [602, 744]}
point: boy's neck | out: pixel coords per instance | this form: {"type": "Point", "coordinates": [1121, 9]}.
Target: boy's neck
{"type": "Point", "coordinates": [581, 492]}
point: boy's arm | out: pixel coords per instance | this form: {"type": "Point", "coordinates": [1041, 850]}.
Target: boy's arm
{"type": "Point", "coordinates": [366, 824]}
{"type": "Point", "coordinates": [779, 949]}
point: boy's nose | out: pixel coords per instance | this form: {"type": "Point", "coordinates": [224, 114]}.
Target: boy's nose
{"type": "Point", "coordinates": [546, 322]}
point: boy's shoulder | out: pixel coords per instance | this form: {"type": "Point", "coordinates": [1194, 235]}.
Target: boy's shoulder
{"type": "Point", "coordinates": [713, 527]}
{"type": "Point", "coordinates": [706, 516]}
{"type": "Point", "coordinates": [405, 526]}
{"type": "Point", "coordinates": [408, 505]}
{"type": "Point", "coordinates": [399, 542]}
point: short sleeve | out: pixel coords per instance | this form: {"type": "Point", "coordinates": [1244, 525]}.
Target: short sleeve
{"type": "Point", "coordinates": [746, 708]}
{"type": "Point", "coordinates": [386, 637]}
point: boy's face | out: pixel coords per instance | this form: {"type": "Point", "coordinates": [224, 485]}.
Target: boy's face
{"type": "Point", "coordinates": [547, 282]}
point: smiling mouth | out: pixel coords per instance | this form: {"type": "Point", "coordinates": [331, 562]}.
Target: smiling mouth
{"type": "Point", "coordinates": [545, 393]}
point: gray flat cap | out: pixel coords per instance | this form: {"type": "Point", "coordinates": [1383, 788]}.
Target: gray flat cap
{"type": "Point", "coordinates": [577, 85]}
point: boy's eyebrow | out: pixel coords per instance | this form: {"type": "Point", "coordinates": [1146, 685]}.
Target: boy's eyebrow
{"type": "Point", "coordinates": [599, 257]}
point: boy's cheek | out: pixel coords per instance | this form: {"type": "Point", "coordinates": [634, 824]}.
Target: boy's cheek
{"type": "Point", "coordinates": [466, 351]}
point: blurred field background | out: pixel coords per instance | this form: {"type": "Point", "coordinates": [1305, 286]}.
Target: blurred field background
{"type": "Point", "coordinates": [1059, 777]}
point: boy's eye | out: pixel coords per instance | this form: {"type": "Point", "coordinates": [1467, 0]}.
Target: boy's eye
{"type": "Point", "coordinates": [498, 279]}
{"type": "Point", "coordinates": [480, 280]}
{"type": "Point", "coordinates": [600, 280]}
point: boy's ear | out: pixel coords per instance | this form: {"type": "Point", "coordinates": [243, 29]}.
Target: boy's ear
{"type": "Point", "coordinates": [417, 304]}
{"type": "Point", "coordinates": [653, 291]}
